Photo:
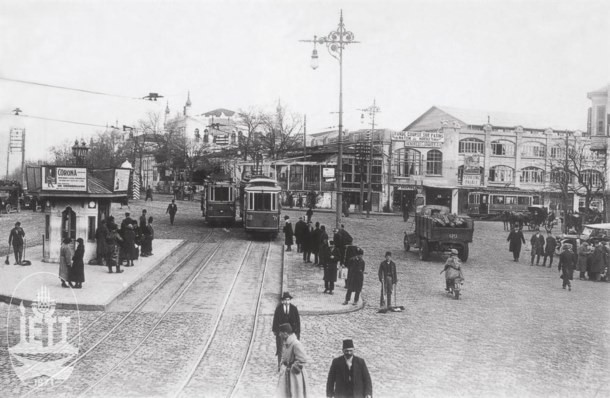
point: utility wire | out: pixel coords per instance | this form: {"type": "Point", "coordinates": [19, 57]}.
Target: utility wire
{"type": "Point", "coordinates": [66, 88]}
{"type": "Point", "coordinates": [56, 120]}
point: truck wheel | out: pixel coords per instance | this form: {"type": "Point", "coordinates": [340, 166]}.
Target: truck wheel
{"type": "Point", "coordinates": [463, 255]}
{"type": "Point", "coordinates": [406, 243]}
{"type": "Point", "coordinates": [423, 250]}
{"type": "Point", "coordinates": [8, 208]}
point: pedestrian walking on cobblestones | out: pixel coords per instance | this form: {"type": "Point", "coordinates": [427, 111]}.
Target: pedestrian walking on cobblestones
{"type": "Point", "coordinates": [309, 214]}
{"type": "Point", "coordinates": [537, 242]}
{"type": "Point", "coordinates": [172, 209]}
{"type": "Point", "coordinates": [355, 278]}
{"type": "Point", "coordinates": [149, 194]}
{"type": "Point", "coordinates": [452, 270]}
{"type": "Point", "coordinates": [349, 376]}
{"type": "Point", "coordinates": [515, 237]}
{"type": "Point", "coordinates": [387, 277]}
{"type": "Point", "coordinates": [288, 234]}
{"type": "Point", "coordinates": [65, 262]}
{"type": "Point", "coordinates": [299, 230]}
{"type": "Point", "coordinates": [285, 312]}
{"type": "Point", "coordinates": [330, 267]}
{"type": "Point", "coordinates": [15, 239]}
{"type": "Point", "coordinates": [549, 249]}
{"type": "Point", "coordinates": [567, 262]}
{"type": "Point", "coordinates": [291, 382]}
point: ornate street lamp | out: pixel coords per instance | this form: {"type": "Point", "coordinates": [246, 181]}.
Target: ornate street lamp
{"type": "Point", "coordinates": [335, 42]}
{"type": "Point", "coordinates": [79, 151]}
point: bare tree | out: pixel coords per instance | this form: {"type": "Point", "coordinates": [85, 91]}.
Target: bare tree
{"type": "Point", "coordinates": [282, 131]}
{"type": "Point", "coordinates": [253, 121]}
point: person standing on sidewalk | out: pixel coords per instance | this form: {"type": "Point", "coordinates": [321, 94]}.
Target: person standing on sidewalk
{"type": "Point", "coordinates": [100, 242]}
{"type": "Point", "coordinates": [299, 230]}
{"type": "Point", "coordinates": [387, 277]}
{"type": "Point", "coordinates": [288, 234]}
{"type": "Point", "coordinates": [172, 209]}
{"type": "Point", "coordinates": [537, 243]}
{"type": "Point", "coordinates": [65, 262]}
{"type": "Point", "coordinates": [515, 238]}
{"type": "Point", "coordinates": [285, 313]}
{"type": "Point", "coordinates": [349, 376]}
{"type": "Point", "coordinates": [330, 268]}
{"type": "Point", "coordinates": [549, 249]}
{"type": "Point", "coordinates": [15, 239]}
{"type": "Point", "coordinates": [77, 273]}
{"type": "Point", "coordinates": [149, 194]}
{"type": "Point", "coordinates": [355, 278]}
{"type": "Point", "coordinates": [291, 381]}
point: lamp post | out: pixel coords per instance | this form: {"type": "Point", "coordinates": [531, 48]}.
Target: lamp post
{"type": "Point", "coordinates": [335, 42]}
{"type": "Point", "coordinates": [371, 110]}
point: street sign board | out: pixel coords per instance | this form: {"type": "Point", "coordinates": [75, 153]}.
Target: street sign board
{"type": "Point", "coordinates": [420, 139]}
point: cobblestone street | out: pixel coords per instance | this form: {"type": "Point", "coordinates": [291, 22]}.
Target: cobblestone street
{"type": "Point", "coordinates": [515, 332]}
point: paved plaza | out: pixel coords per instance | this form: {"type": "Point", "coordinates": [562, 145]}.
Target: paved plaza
{"type": "Point", "coordinates": [514, 332]}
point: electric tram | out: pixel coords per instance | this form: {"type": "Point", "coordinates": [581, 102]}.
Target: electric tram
{"type": "Point", "coordinates": [260, 205]}
{"type": "Point", "coordinates": [480, 203]}
{"type": "Point", "coordinates": [218, 202]}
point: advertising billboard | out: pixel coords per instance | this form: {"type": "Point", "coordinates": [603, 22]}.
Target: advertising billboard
{"type": "Point", "coordinates": [121, 180]}
{"type": "Point", "coordinates": [420, 139]}
{"type": "Point", "coordinates": [59, 178]}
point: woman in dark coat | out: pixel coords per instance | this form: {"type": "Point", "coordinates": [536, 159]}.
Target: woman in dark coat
{"type": "Point", "coordinates": [567, 263]}
{"type": "Point", "coordinates": [515, 238]}
{"type": "Point", "coordinates": [288, 235]}
{"type": "Point", "coordinates": [331, 258]}
{"type": "Point", "coordinates": [77, 273]}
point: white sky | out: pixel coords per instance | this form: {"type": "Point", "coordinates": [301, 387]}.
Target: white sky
{"type": "Point", "coordinates": [536, 57]}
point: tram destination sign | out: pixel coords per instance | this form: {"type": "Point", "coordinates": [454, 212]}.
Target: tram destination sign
{"type": "Point", "coordinates": [420, 139]}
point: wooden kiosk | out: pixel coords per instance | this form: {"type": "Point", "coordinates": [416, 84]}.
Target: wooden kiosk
{"type": "Point", "coordinates": [74, 200]}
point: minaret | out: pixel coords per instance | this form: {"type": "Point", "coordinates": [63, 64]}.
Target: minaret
{"type": "Point", "coordinates": [187, 106]}
{"type": "Point", "coordinates": [166, 114]}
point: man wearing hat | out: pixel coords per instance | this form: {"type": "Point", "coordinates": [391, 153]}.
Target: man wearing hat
{"type": "Point", "coordinates": [452, 270]}
{"type": "Point", "coordinates": [355, 277]}
{"type": "Point", "coordinates": [285, 313]}
{"type": "Point", "coordinates": [537, 242]}
{"type": "Point", "coordinates": [299, 229]}
{"type": "Point", "coordinates": [387, 277]}
{"type": "Point", "coordinates": [291, 382]}
{"type": "Point", "coordinates": [348, 376]}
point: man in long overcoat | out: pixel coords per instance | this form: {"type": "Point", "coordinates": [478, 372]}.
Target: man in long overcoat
{"type": "Point", "coordinates": [349, 376]}
{"type": "Point", "coordinates": [307, 240]}
{"type": "Point", "coordinates": [100, 242]}
{"type": "Point", "coordinates": [537, 243]}
{"type": "Point", "coordinates": [599, 261]}
{"type": "Point", "coordinates": [515, 238]}
{"type": "Point", "coordinates": [330, 267]}
{"type": "Point", "coordinates": [355, 278]}
{"type": "Point", "coordinates": [299, 229]}
{"type": "Point", "coordinates": [549, 248]}
{"type": "Point", "coordinates": [315, 244]}
{"type": "Point", "coordinates": [285, 313]}
{"type": "Point", "coordinates": [291, 382]}
{"type": "Point", "coordinates": [567, 263]}
{"type": "Point", "coordinates": [65, 262]}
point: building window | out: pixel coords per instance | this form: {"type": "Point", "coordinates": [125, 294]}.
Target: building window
{"type": "Point", "coordinates": [434, 162]}
{"type": "Point", "coordinates": [407, 162]}
{"type": "Point", "coordinates": [348, 170]}
{"type": "Point", "coordinates": [532, 175]}
{"type": "Point", "coordinates": [471, 145]}
{"type": "Point", "coordinates": [91, 228]}
{"type": "Point", "coordinates": [501, 174]}
{"type": "Point", "coordinates": [558, 152]}
{"type": "Point", "coordinates": [502, 148]}
{"type": "Point", "coordinates": [532, 150]}
{"type": "Point", "coordinates": [558, 176]}
{"type": "Point", "coordinates": [591, 178]}
{"type": "Point", "coordinates": [376, 171]}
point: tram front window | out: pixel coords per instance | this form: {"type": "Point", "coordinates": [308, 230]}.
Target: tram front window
{"type": "Point", "coordinates": [221, 194]}
{"type": "Point", "coordinates": [263, 201]}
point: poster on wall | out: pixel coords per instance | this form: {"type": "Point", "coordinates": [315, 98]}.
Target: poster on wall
{"type": "Point", "coordinates": [56, 178]}
{"type": "Point", "coordinates": [121, 179]}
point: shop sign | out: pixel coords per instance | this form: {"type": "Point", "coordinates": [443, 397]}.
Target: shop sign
{"type": "Point", "coordinates": [472, 164]}
{"type": "Point", "coordinates": [420, 139]}
{"type": "Point", "coordinates": [64, 178]}
{"type": "Point", "coordinates": [328, 172]}
{"type": "Point", "coordinates": [471, 179]}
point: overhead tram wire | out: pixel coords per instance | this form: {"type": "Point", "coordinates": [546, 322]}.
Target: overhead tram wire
{"type": "Point", "coordinates": [76, 89]}
{"type": "Point", "coordinates": [56, 120]}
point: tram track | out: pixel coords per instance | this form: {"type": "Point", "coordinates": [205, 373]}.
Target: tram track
{"type": "Point", "coordinates": [165, 280]}
{"type": "Point", "coordinates": [216, 371]}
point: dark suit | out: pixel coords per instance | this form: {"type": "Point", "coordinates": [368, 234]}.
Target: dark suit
{"type": "Point", "coordinates": [280, 317]}
{"type": "Point", "coordinates": [345, 383]}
